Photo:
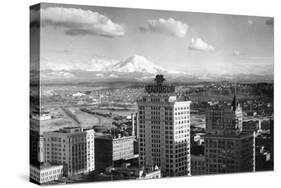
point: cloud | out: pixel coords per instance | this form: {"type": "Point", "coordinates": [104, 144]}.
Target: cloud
{"type": "Point", "coordinates": [50, 75]}
{"type": "Point", "coordinates": [168, 26]}
{"type": "Point", "coordinates": [58, 64]}
{"type": "Point", "coordinates": [81, 22]}
{"type": "Point", "coordinates": [101, 64]}
{"type": "Point", "coordinates": [199, 45]}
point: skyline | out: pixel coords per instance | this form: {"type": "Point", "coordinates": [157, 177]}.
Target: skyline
{"type": "Point", "coordinates": [172, 140]}
{"type": "Point", "coordinates": [83, 37]}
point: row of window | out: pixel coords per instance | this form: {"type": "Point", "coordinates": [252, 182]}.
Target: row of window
{"type": "Point", "coordinates": [181, 122]}
{"type": "Point", "coordinates": [182, 108]}
{"type": "Point", "coordinates": [182, 113]}
{"type": "Point", "coordinates": [181, 117]}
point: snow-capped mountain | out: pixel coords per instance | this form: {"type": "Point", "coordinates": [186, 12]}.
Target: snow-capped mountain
{"type": "Point", "coordinates": [134, 68]}
{"type": "Point", "coordinates": [133, 64]}
{"type": "Point", "coordinates": [137, 64]}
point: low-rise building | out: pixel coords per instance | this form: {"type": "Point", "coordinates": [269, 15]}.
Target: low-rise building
{"type": "Point", "coordinates": [78, 94]}
{"type": "Point", "coordinates": [40, 115]}
{"type": "Point", "coordinates": [110, 148]}
{"type": "Point", "coordinates": [198, 138]}
{"type": "Point", "coordinates": [44, 173]}
{"type": "Point", "coordinates": [252, 126]}
{"type": "Point", "coordinates": [128, 172]}
{"type": "Point", "coordinates": [152, 173]}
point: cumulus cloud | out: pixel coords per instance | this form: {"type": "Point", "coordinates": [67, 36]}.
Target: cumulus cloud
{"type": "Point", "coordinates": [101, 64]}
{"type": "Point", "coordinates": [81, 22]}
{"type": "Point", "coordinates": [168, 26]}
{"type": "Point", "coordinates": [199, 45]}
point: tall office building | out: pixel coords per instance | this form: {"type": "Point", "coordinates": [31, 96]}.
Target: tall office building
{"type": "Point", "coordinates": [164, 129]}
{"type": "Point", "coordinates": [228, 149]}
{"type": "Point", "coordinates": [73, 147]}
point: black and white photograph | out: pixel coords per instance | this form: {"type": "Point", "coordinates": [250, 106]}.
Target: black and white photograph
{"type": "Point", "coordinates": [135, 94]}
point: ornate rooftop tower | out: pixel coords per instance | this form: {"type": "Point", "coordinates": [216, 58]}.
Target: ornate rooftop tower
{"type": "Point", "coordinates": [159, 86]}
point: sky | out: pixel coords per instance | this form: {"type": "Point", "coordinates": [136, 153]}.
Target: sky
{"type": "Point", "coordinates": [75, 37]}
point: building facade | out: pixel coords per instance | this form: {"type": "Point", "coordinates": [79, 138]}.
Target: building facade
{"type": "Point", "coordinates": [123, 147]}
{"type": "Point", "coordinates": [198, 165]}
{"type": "Point", "coordinates": [41, 115]}
{"type": "Point", "coordinates": [109, 148]}
{"type": "Point", "coordinates": [227, 148]}
{"type": "Point", "coordinates": [73, 147]}
{"type": "Point", "coordinates": [164, 129]}
{"type": "Point", "coordinates": [229, 154]}
{"type": "Point", "coordinates": [252, 126]}
{"type": "Point", "coordinates": [34, 138]}
{"type": "Point", "coordinates": [46, 173]}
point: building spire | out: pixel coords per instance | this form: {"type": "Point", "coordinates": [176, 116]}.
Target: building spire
{"type": "Point", "coordinates": [235, 100]}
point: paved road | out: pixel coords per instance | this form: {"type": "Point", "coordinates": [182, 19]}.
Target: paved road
{"type": "Point", "coordinates": [71, 115]}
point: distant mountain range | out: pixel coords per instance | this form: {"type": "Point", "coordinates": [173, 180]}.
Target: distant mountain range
{"type": "Point", "coordinates": [136, 68]}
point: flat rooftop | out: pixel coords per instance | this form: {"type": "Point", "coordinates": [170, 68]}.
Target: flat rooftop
{"type": "Point", "coordinates": [109, 136]}
{"type": "Point", "coordinates": [45, 165]}
{"type": "Point", "coordinates": [71, 130]}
